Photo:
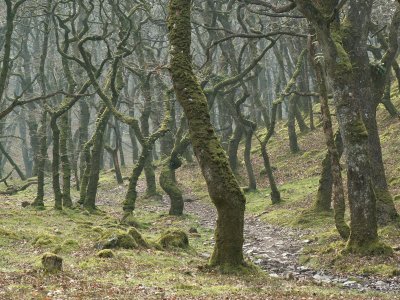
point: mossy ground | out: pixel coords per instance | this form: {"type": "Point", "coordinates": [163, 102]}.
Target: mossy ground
{"type": "Point", "coordinates": [140, 273]}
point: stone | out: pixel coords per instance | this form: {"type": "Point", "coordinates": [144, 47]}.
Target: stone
{"type": "Point", "coordinates": [193, 230]}
{"type": "Point", "coordinates": [137, 236]}
{"type": "Point", "coordinates": [52, 263]}
{"type": "Point", "coordinates": [174, 238]}
{"type": "Point", "coordinates": [105, 253]}
{"type": "Point", "coordinates": [118, 240]}
{"type": "Point", "coordinates": [25, 204]}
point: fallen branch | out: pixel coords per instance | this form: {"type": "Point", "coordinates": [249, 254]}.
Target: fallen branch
{"type": "Point", "coordinates": [12, 190]}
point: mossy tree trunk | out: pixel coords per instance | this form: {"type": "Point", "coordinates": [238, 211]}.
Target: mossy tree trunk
{"type": "Point", "coordinates": [247, 160]}
{"type": "Point", "coordinates": [167, 176]}
{"type": "Point", "coordinates": [114, 154]}
{"type": "Point", "coordinates": [93, 169]}
{"type": "Point", "coordinates": [65, 161]}
{"type": "Point", "coordinates": [41, 161]}
{"type": "Point", "coordinates": [332, 174]}
{"type": "Point", "coordinates": [275, 194]}
{"type": "Point", "coordinates": [346, 58]}
{"type": "Point", "coordinates": [323, 200]}
{"type": "Point", "coordinates": [28, 162]}
{"type": "Point", "coordinates": [84, 117]}
{"type": "Point", "coordinates": [294, 146]}
{"type": "Point", "coordinates": [85, 159]}
{"type": "Point", "coordinates": [151, 186]}
{"type": "Point", "coordinates": [234, 147]}
{"type": "Point", "coordinates": [55, 166]}
{"type": "Point", "coordinates": [222, 185]}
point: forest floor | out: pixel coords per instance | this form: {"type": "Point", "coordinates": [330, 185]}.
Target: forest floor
{"type": "Point", "coordinates": [297, 251]}
{"type": "Point", "coordinates": [154, 273]}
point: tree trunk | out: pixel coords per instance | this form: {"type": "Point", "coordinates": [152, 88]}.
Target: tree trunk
{"type": "Point", "coordinates": [346, 58]}
{"type": "Point", "coordinates": [65, 162]}
{"type": "Point", "coordinates": [41, 161]}
{"type": "Point", "coordinates": [95, 155]}
{"type": "Point", "coordinates": [234, 147]}
{"type": "Point", "coordinates": [294, 147]}
{"type": "Point", "coordinates": [247, 160]}
{"type": "Point", "coordinates": [55, 166]}
{"type": "Point", "coordinates": [222, 185]}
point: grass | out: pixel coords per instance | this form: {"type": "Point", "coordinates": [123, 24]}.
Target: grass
{"type": "Point", "coordinates": [26, 234]}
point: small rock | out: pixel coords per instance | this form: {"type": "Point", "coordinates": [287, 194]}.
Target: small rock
{"type": "Point", "coordinates": [273, 275]}
{"type": "Point", "coordinates": [322, 278]}
{"type": "Point", "coordinates": [193, 230]}
{"type": "Point", "coordinates": [380, 283]}
{"type": "Point", "coordinates": [205, 255]}
{"type": "Point", "coordinates": [174, 238]}
{"type": "Point", "coordinates": [303, 269]}
{"type": "Point", "coordinates": [349, 283]}
{"type": "Point", "coordinates": [52, 262]}
{"type": "Point", "coordinates": [105, 253]}
{"type": "Point", "coordinates": [289, 276]}
{"type": "Point", "coordinates": [307, 241]}
{"type": "Point", "coordinates": [25, 204]}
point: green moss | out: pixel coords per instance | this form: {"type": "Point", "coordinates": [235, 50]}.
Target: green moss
{"type": "Point", "coordinates": [383, 196]}
{"type": "Point", "coordinates": [105, 253]}
{"type": "Point", "coordinates": [118, 239]}
{"type": "Point", "coordinates": [70, 245]}
{"type": "Point", "coordinates": [311, 218]}
{"type": "Point", "coordinates": [311, 154]}
{"type": "Point", "coordinates": [51, 262]}
{"type": "Point", "coordinates": [381, 269]}
{"type": "Point", "coordinates": [174, 238]}
{"type": "Point", "coordinates": [357, 130]}
{"type": "Point", "coordinates": [137, 236]}
{"type": "Point", "coordinates": [8, 234]}
{"type": "Point", "coordinates": [339, 33]}
{"type": "Point", "coordinates": [374, 248]}
{"type": "Point", "coordinates": [44, 240]}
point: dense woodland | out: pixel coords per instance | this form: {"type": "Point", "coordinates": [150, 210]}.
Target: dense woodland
{"type": "Point", "coordinates": [186, 149]}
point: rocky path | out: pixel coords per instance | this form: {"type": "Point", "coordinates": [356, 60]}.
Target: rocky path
{"type": "Point", "coordinates": [277, 251]}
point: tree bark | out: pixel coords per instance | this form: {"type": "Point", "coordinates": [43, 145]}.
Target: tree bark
{"type": "Point", "coordinates": [222, 185]}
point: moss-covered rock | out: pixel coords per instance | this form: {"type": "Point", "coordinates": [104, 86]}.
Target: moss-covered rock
{"type": "Point", "coordinates": [43, 240]}
{"type": "Point", "coordinates": [137, 236]}
{"type": "Point", "coordinates": [175, 238]}
{"type": "Point", "coordinates": [117, 239]}
{"type": "Point", "coordinates": [52, 262]}
{"type": "Point", "coordinates": [105, 253]}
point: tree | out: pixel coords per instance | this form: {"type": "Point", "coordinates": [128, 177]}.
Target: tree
{"type": "Point", "coordinates": [222, 185]}
{"type": "Point", "coordinates": [345, 50]}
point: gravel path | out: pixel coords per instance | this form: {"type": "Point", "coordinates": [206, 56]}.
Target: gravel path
{"type": "Point", "coordinates": [277, 251]}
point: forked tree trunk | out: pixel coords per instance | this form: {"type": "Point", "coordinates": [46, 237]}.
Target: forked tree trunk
{"type": "Point", "coordinates": [222, 185]}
